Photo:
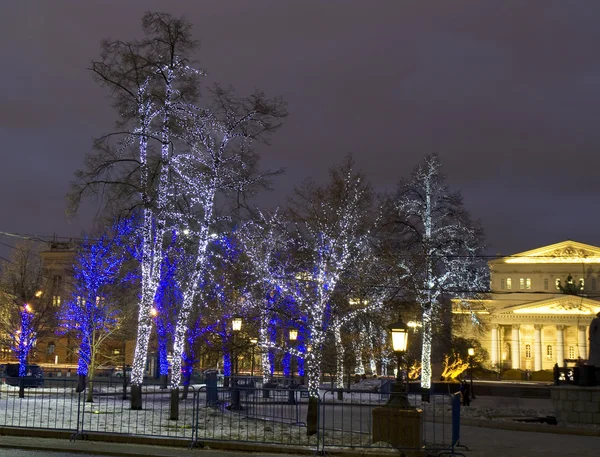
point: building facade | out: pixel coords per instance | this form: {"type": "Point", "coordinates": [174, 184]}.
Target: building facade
{"type": "Point", "coordinates": [540, 307]}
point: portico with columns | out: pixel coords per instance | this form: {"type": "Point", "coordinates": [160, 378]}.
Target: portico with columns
{"type": "Point", "coordinates": [540, 307]}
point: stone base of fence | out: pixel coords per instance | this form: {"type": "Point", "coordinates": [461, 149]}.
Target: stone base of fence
{"type": "Point", "coordinates": [576, 404]}
{"type": "Point", "coordinates": [400, 428]}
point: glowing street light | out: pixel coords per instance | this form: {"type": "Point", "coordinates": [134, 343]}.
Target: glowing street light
{"type": "Point", "coordinates": [236, 324]}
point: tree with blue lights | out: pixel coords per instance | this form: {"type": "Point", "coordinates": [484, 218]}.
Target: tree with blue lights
{"type": "Point", "coordinates": [92, 313]}
{"type": "Point", "coordinates": [25, 338]}
{"type": "Point", "coordinates": [26, 301]}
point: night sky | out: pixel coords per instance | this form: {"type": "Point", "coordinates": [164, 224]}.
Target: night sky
{"type": "Point", "coordinates": [506, 92]}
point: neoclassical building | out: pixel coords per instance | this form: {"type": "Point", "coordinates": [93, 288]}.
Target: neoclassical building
{"type": "Point", "coordinates": [540, 307]}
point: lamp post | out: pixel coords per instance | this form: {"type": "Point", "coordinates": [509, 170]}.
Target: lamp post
{"type": "Point", "coordinates": [471, 352]}
{"type": "Point", "coordinates": [253, 342]}
{"type": "Point", "coordinates": [236, 327]}
{"type": "Point", "coordinates": [293, 336]}
{"type": "Point", "coordinates": [398, 398]}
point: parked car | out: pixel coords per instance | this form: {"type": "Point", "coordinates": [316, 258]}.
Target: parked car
{"type": "Point", "coordinates": [34, 375]}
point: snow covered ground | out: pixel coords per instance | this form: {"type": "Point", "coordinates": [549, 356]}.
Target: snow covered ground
{"type": "Point", "coordinates": [344, 422]}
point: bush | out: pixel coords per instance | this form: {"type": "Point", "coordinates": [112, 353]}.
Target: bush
{"type": "Point", "coordinates": [542, 375]}
{"type": "Point", "coordinates": [514, 375]}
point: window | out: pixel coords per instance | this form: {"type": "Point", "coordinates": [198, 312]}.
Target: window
{"type": "Point", "coordinates": [582, 283]}
{"type": "Point", "coordinates": [528, 283]}
{"type": "Point", "coordinates": [557, 283]}
{"type": "Point", "coordinates": [51, 348]}
{"type": "Point", "coordinates": [56, 300]}
{"type": "Point", "coordinates": [571, 352]}
{"type": "Point", "coordinates": [546, 284]}
{"type": "Point", "coordinates": [502, 283]}
{"type": "Point", "coordinates": [508, 283]}
{"type": "Point", "coordinates": [521, 283]}
{"type": "Point", "coordinates": [549, 351]}
{"type": "Point", "coordinates": [57, 282]}
{"type": "Point", "coordinates": [528, 351]}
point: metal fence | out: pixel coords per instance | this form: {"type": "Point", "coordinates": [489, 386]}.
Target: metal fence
{"type": "Point", "coordinates": [238, 413]}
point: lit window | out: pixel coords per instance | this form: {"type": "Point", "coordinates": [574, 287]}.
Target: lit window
{"type": "Point", "coordinates": [581, 283]}
{"type": "Point", "coordinates": [549, 351]}
{"type": "Point", "coordinates": [528, 351]}
{"type": "Point", "coordinates": [528, 283]}
{"type": "Point", "coordinates": [508, 283]}
{"type": "Point", "coordinates": [521, 283]}
{"type": "Point", "coordinates": [56, 300]}
{"type": "Point", "coordinates": [557, 282]}
{"type": "Point", "coordinates": [546, 284]}
{"type": "Point", "coordinates": [502, 283]}
{"type": "Point", "coordinates": [571, 352]}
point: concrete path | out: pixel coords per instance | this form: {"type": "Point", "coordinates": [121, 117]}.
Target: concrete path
{"type": "Point", "coordinates": [509, 443]}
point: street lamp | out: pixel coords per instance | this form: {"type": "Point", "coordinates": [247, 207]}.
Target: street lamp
{"type": "Point", "coordinates": [253, 342]}
{"type": "Point", "coordinates": [293, 336]}
{"type": "Point", "coordinates": [236, 324]}
{"type": "Point", "coordinates": [398, 397]}
{"type": "Point", "coordinates": [236, 327]}
{"type": "Point", "coordinates": [471, 352]}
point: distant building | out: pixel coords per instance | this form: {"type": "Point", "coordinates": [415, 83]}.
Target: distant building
{"type": "Point", "coordinates": [540, 307]}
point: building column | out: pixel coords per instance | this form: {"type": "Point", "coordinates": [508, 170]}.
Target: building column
{"type": "Point", "coordinates": [515, 348]}
{"type": "Point", "coordinates": [495, 351]}
{"type": "Point", "coordinates": [537, 347]}
{"type": "Point", "coordinates": [560, 345]}
{"type": "Point", "coordinates": [582, 341]}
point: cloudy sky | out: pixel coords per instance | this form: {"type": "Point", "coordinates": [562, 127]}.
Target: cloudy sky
{"type": "Point", "coordinates": [507, 93]}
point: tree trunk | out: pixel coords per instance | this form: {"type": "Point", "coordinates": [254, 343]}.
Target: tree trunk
{"type": "Point", "coordinates": [186, 386]}
{"type": "Point", "coordinates": [90, 392]}
{"type": "Point", "coordinates": [174, 410]}
{"type": "Point", "coordinates": [164, 381]}
{"type": "Point", "coordinates": [136, 397]}
{"type": "Point", "coordinates": [312, 416]}
{"type": "Point", "coordinates": [426, 348]}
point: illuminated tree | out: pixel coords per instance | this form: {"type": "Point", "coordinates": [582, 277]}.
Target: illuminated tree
{"type": "Point", "coordinates": [92, 313]}
{"type": "Point", "coordinates": [267, 244]}
{"type": "Point", "coordinates": [441, 249]}
{"type": "Point", "coordinates": [219, 163]}
{"type": "Point", "coordinates": [333, 224]}
{"type": "Point", "coordinates": [26, 308]}
{"type": "Point", "coordinates": [24, 339]}
{"type": "Point", "coordinates": [152, 85]}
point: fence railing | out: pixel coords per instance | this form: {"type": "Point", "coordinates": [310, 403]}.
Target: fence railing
{"type": "Point", "coordinates": [238, 413]}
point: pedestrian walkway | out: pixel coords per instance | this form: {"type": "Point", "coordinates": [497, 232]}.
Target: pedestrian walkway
{"type": "Point", "coordinates": [490, 442]}
{"type": "Point", "coordinates": [117, 449]}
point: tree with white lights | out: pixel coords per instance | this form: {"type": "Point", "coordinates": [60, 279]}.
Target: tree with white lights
{"type": "Point", "coordinates": [441, 248]}
{"type": "Point", "coordinates": [267, 244]}
{"type": "Point", "coordinates": [218, 164]}
{"type": "Point", "coordinates": [333, 224]}
{"type": "Point", "coordinates": [152, 86]}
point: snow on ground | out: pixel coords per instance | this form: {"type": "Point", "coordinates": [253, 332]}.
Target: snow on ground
{"type": "Point", "coordinates": [345, 422]}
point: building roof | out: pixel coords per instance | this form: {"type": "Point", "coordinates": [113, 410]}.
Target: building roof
{"type": "Point", "coordinates": [564, 252]}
